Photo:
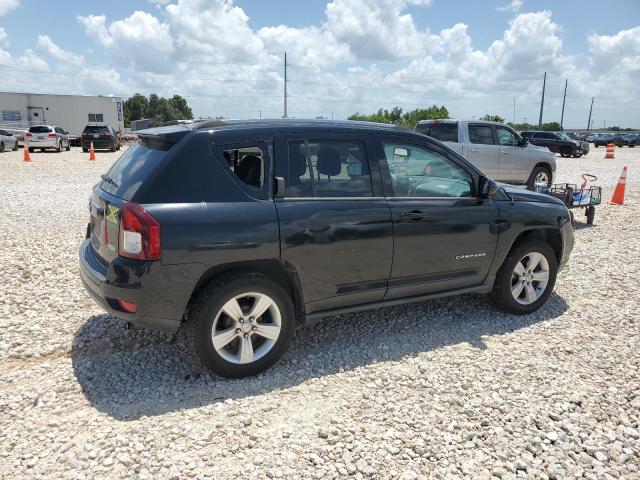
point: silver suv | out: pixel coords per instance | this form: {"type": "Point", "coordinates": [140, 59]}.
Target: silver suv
{"type": "Point", "coordinates": [496, 149]}
{"type": "Point", "coordinates": [48, 136]}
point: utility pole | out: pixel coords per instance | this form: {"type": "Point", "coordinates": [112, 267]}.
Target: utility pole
{"type": "Point", "coordinates": [260, 113]}
{"type": "Point", "coordinates": [564, 99]}
{"type": "Point", "coordinates": [590, 110]}
{"type": "Point", "coordinates": [544, 85]}
{"type": "Point", "coordinates": [285, 85]}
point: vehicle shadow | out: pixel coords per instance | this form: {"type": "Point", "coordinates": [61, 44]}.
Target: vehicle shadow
{"type": "Point", "coordinates": [129, 374]}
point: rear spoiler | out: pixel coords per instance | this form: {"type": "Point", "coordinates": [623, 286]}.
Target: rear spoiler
{"type": "Point", "coordinates": [162, 138]}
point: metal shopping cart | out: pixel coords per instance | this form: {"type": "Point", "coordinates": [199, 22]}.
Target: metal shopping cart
{"type": "Point", "coordinates": [585, 196]}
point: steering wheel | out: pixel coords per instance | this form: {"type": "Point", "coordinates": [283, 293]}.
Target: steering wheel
{"type": "Point", "coordinates": [587, 177]}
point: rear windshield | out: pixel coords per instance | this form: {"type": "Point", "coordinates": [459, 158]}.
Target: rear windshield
{"type": "Point", "coordinates": [95, 128]}
{"type": "Point", "coordinates": [40, 129]}
{"type": "Point", "coordinates": [445, 132]}
{"type": "Point", "coordinates": [126, 175]}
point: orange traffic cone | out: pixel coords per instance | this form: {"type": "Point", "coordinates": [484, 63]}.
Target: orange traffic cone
{"type": "Point", "coordinates": [92, 153]}
{"type": "Point", "coordinates": [618, 193]}
{"type": "Point", "coordinates": [610, 151]}
{"type": "Point", "coordinates": [27, 156]}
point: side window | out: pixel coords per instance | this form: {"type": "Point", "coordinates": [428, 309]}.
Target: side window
{"type": "Point", "coordinates": [418, 171]}
{"type": "Point", "coordinates": [247, 163]}
{"type": "Point", "coordinates": [506, 137]}
{"type": "Point", "coordinates": [328, 168]}
{"type": "Point", "coordinates": [481, 134]}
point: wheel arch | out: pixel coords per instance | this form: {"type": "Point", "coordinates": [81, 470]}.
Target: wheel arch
{"type": "Point", "coordinates": [551, 236]}
{"type": "Point", "coordinates": [279, 271]}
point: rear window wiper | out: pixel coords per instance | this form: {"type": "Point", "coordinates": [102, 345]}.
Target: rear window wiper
{"type": "Point", "coordinates": [108, 180]}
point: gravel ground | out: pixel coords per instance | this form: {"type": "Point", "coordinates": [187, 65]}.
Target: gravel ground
{"type": "Point", "coordinates": [444, 389]}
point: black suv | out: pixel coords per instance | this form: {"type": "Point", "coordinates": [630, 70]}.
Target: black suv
{"type": "Point", "coordinates": [558, 142]}
{"type": "Point", "coordinates": [102, 135]}
{"type": "Point", "coordinates": [618, 140]}
{"type": "Point", "coordinates": [244, 230]}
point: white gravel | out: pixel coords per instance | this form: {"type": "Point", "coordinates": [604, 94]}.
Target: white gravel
{"type": "Point", "coordinates": [444, 389]}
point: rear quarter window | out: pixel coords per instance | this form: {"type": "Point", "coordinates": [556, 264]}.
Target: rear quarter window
{"type": "Point", "coordinates": [126, 176]}
{"type": "Point", "coordinates": [443, 132]}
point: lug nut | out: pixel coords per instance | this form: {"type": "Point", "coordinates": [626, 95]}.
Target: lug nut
{"type": "Point", "coordinates": [246, 335]}
{"type": "Point", "coordinates": [242, 320]}
{"type": "Point", "coordinates": [254, 328]}
{"type": "Point", "coordinates": [237, 330]}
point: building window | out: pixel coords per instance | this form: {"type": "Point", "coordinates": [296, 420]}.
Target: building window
{"type": "Point", "coordinates": [96, 117]}
{"type": "Point", "coordinates": [11, 116]}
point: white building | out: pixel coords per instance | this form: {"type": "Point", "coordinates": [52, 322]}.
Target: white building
{"type": "Point", "coordinates": [71, 112]}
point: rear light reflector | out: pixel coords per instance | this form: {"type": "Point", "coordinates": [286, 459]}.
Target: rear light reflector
{"type": "Point", "coordinates": [139, 236]}
{"type": "Point", "coordinates": [127, 306]}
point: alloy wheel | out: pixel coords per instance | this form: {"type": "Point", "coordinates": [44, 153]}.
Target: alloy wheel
{"type": "Point", "coordinates": [246, 328]}
{"type": "Point", "coordinates": [542, 177]}
{"type": "Point", "coordinates": [530, 278]}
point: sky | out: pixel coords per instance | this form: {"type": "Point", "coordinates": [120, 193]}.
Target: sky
{"type": "Point", "coordinates": [345, 56]}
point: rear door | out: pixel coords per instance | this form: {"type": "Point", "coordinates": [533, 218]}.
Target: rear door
{"type": "Point", "coordinates": [483, 150]}
{"type": "Point", "coordinates": [335, 225]}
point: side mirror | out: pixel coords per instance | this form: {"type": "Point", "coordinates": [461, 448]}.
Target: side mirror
{"type": "Point", "coordinates": [487, 187]}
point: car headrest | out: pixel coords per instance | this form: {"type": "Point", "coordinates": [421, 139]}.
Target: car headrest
{"type": "Point", "coordinates": [329, 161]}
{"type": "Point", "coordinates": [248, 170]}
{"type": "Point", "coordinates": [297, 163]}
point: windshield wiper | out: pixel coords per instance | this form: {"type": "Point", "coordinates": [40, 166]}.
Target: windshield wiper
{"type": "Point", "coordinates": [109, 180]}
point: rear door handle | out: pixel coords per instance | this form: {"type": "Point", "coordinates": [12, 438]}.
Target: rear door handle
{"type": "Point", "coordinates": [475, 150]}
{"type": "Point", "coordinates": [505, 152]}
{"type": "Point", "coordinates": [413, 215]}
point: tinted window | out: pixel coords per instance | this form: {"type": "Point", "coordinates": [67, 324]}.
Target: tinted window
{"type": "Point", "coordinates": [126, 175]}
{"type": "Point", "coordinates": [506, 137]}
{"type": "Point", "coordinates": [417, 171]}
{"type": "Point", "coordinates": [545, 135]}
{"type": "Point", "coordinates": [247, 164]}
{"type": "Point", "coordinates": [2, 132]}
{"type": "Point", "coordinates": [445, 132]}
{"type": "Point", "coordinates": [328, 168]}
{"type": "Point", "coordinates": [40, 129]}
{"type": "Point", "coordinates": [481, 134]}
{"type": "Point", "coordinates": [96, 129]}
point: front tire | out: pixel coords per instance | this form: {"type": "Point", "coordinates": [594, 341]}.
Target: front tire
{"type": "Point", "coordinates": [15, 146]}
{"type": "Point", "coordinates": [241, 325]}
{"type": "Point", "coordinates": [565, 152]}
{"type": "Point", "coordinates": [539, 175]}
{"type": "Point", "coordinates": [59, 147]}
{"type": "Point", "coordinates": [1, 147]}
{"type": "Point", "coordinates": [526, 278]}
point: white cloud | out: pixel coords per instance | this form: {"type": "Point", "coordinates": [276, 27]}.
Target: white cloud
{"type": "Point", "coordinates": [7, 5]}
{"type": "Point", "coordinates": [95, 28]}
{"type": "Point", "coordinates": [46, 45]}
{"type": "Point", "coordinates": [515, 6]}
{"type": "Point", "coordinates": [376, 29]}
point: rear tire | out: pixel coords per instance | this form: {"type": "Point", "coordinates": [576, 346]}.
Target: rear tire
{"type": "Point", "coordinates": [539, 175]}
{"type": "Point", "coordinates": [85, 150]}
{"type": "Point", "coordinates": [240, 294]}
{"type": "Point", "coordinates": [68, 146]}
{"type": "Point", "coordinates": [532, 292]}
{"type": "Point", "coordinates": [590, 213]}
{"type": "Point", "coordinates": [1, 147]}
{"type": "Point", "coordinates": [113, 147]}
{"type": "Point", "coordinates": [31, 150]}
{"type": "Point", "coordinates": [15, 146]}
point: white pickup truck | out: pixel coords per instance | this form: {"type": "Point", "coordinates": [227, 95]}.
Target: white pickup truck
{"type": "Point", "coordinates": [494, 148]}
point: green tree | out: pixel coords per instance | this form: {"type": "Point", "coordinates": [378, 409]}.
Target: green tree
{"type": "Point", "coordinates": [407, 119]}
{"type": "Point", "coordinates": [551, 127]}
{"type": "Point", "coordinates": [493, 118]}
{"type": "Point", "coordinates": [156, 108]}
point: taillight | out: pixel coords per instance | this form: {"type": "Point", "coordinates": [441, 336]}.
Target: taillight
{"type": "Point", "coordinates": [52, 135]}
{"type": "Point", "coordinates": [139, 235]}
{"type": "Point", "coordinates": [29, 135]}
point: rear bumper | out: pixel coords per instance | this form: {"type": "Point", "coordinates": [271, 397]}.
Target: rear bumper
{"type": "Point", "coordinates": [48, 143]}
{"type": "Point", "coordinates": [97, 143]}
{"type": "Point", "coordinates": [159, 307]}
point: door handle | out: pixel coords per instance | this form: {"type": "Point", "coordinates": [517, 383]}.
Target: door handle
{"type": "Point", "coordinates": [505, 152]}
{"type": "Point", "coordinates": [475, 150]}
{"type": "Point", "coordinates": [413, 215]}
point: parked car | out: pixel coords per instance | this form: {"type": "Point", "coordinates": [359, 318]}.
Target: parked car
{"type": "Point", "coordinates": [558, 142]}
{"type": "Point", "coordinates": [244, 230]}
{"type": "Point", "coordinates": [101, 135]}
{"type": "Point", "coordinates": [7, 141]}
{"type": "Point", "coordinates": [494, 148]}
{"type": "Point", "coordinates": [617, 139]}
{"type": "Point", "coordinates": [48, 136]}
{"type": "Point", "coordinates": [632, 139]}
